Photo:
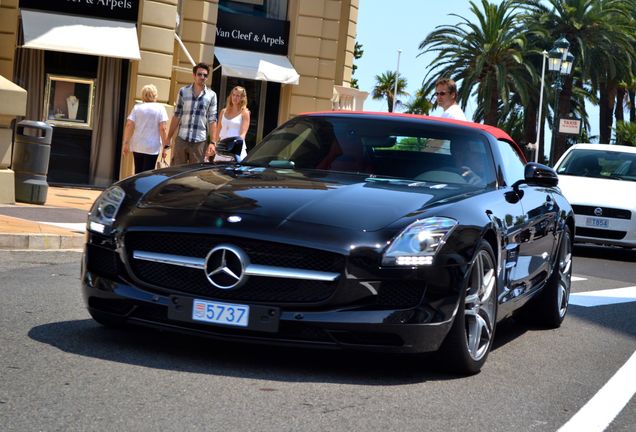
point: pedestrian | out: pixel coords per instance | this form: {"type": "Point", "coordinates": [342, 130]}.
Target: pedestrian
{"type": "Point", "coordinates": [145, 131]}
{"type": "Point", "coordinates": [446, 94]}
{"type": "Point", "coordinates": [194, 120]}
{"type": "Point", "coordinates": [234, 121]}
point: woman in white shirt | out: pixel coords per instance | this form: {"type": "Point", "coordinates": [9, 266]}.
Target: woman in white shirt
{"type": "Point", "coordinates": [234, 119]}
{"type": "Point", "coordinates": [146, 130]}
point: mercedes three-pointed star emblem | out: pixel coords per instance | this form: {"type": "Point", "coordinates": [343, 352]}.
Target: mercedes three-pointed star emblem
{"type": "Point", "coordinates": [225, 266]}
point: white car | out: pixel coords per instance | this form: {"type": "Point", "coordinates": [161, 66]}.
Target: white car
{"type": "Point", "coordinates": [599, 181]}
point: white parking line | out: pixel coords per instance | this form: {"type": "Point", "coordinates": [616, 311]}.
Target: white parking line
{"type": "Point", "coordinates": [604, 297]}
{"type": "Point", "coordinates": [605, 405]}
{"type": "Point", "coordinates": [578, 278]}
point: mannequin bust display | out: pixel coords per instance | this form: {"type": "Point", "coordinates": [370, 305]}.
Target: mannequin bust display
{"type": "Point", "coordinates": [72, 104]}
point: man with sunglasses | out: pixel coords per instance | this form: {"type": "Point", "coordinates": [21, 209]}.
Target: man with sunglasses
{"type": "Point", "coordinates": [195, 119]}
{"type": "Point", "coordinates": [446, 94]}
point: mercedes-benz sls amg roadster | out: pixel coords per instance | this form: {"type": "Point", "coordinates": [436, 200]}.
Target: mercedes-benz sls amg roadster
{"type": "Point", "coordinates": [370, 231]}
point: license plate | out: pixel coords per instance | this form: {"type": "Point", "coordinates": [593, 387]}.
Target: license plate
{"type": "Point", "coordinates": [220, 313]}
{"type": "Point", "coordinates": [597, 222]}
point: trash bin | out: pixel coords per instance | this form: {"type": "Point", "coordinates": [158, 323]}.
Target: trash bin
{"type": "Point", "coordinates": [30, 162]}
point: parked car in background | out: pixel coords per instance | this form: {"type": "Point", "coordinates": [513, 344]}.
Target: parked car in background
{"type": "Point", "coordinates": [369, 231]}
{"type": "Point", "coordinates": [599, 180]}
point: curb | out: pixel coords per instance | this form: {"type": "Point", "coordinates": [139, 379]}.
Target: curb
{"type": "Point", "coordinates": [42, 241]}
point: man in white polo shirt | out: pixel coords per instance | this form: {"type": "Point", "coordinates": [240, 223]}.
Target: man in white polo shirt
{"type": "Point", "coordinates": [446, 94]}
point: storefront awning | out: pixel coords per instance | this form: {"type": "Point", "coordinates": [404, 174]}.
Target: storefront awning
{"type": "Point", "coordinates": [256, 66]}
{"type": "Point", "coordinates": [81, 35]}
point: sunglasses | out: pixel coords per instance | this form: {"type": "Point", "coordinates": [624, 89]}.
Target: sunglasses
{"type": "Point", "coordinates": [442, 93]}
{"type": "Point", "coordinates": [204, 75]}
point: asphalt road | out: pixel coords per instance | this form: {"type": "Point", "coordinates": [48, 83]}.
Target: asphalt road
{"type": "Point", "coordinates": [60, 371]}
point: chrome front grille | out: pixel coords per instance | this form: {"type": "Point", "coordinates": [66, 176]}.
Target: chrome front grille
{"type": "Point", "coordinates": [606, 212]}
{"type": "Point", "coordinates": [176, 262]}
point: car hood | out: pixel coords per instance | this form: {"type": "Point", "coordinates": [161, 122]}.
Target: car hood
{"type": "Point", "coordinates": [598, 192]}
{"type": "Point", "coordinates": [340, 200]}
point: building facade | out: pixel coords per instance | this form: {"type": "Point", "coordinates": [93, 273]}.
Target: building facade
{"type": "Point", "coordinates": [84, 62]}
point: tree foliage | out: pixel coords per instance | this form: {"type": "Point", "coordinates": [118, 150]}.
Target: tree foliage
{"type": "Point", "coordinates": [385, 88]}
{"type": "Point", "coordinates": [495, 55]}
{"type": "Point", "coordinates": [357, 54]}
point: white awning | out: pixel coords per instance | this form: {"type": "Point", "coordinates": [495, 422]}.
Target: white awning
{"type": "Point", "coordinates": [256, 66]}
{"type": "Point", "coordinates": [81, 35]}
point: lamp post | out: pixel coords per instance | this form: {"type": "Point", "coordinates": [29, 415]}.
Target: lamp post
{"type": "Point", "coordinates": [560, 63]}
{"type": "Point", "coordinates": [544, 55]}
{"type": "Point", "coordinates": [397, 77]}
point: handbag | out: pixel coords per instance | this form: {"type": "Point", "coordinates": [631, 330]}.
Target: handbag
{"type": "Point", "coordinates": [230, 145]}
{"type": "Point", "coordinates": [162, 163]}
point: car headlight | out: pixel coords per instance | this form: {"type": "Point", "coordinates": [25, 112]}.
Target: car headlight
{"type": "Point", "coordinates": [419, 242]}
{"type": "Point", "coordinates": [105, 209]}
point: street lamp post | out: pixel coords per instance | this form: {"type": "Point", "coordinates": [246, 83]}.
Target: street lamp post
{"type": "Point", "coordinates": [397, 77]}
{"type": "Point", "coordinates": [544, 54]}
{"type": "Point", "coordinates": [560, 63]}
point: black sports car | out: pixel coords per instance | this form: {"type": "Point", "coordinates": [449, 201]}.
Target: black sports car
{"type": "Point", "coordinates": [386, 232]}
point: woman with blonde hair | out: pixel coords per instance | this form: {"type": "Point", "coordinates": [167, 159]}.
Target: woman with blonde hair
{"type": "Point", "coordinates": [146, 130]}
{"type": "Point", "coordinates": [234, 121]}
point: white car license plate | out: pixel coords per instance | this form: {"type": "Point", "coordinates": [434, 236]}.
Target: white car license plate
{"type": "Point", "coordinates": [220, 313]}
{"type": "Point", "coordinates": [597, 222]}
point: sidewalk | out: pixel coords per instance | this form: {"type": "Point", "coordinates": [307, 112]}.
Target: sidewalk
{"type": "Point", "coordinates": [58, 224]}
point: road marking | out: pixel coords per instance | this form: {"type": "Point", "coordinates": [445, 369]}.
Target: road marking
{"type": "Point", "coordinates": [605, 405]}
{"type": "Point", "coordinates": [578, 278]}
{"type": "Point", "coordinates": [79, 227]}
{"type": "Point", "coordinates": [604, 297]}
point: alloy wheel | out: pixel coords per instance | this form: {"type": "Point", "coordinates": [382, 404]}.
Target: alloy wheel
{"type": "Point", "coordinates": [480, 306]}
{"type": "Point", "coordinates": [565, 276]}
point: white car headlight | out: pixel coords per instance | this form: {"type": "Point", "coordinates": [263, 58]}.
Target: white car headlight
{"type": "Point", "coordinates": [419, 242]}
{"type": "Point", "coordinates": [105, 209]}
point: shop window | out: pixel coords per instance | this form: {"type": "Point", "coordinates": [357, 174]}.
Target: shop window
{"type": "Point", "coordinates": [275, 9]}
{"type": "Point", "coordinates": [69, 101]}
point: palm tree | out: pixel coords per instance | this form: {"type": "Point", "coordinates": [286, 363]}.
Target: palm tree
{"type": "Point", "coordinates": [625, 133]}
{"type": "Point", "coordinates": [602, 41]}
{"type": "Point", "coordinates": [420, 104]}
{"type": "Point", "coordinates": [385, 87]}
{"type": "Point", "coordinates": [485, 55]}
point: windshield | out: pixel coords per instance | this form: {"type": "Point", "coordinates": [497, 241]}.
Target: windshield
{"type": "Point", "coordinates": [380, 148]}
{"type": "Point", "coordinates": [599, 164]}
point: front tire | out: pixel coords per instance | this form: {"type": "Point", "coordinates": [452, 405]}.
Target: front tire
{"type": "Point", "coordinates": [468, 343]}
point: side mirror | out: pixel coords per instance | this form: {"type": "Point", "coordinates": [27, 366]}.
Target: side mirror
{"type": "Point", "coordinates": [537, 174]}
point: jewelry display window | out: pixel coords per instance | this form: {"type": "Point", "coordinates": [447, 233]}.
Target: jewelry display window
{"type": "Point", "coordinates": [68, 101]}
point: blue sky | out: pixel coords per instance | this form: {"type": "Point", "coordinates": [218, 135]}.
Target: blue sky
{"type": "Point", "coordinates": [386, 26]}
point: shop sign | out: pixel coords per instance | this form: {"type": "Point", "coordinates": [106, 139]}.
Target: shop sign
{"type": "Point", "coordinates": [125, 10]}
{"type": "Point", "coordinates": [252, 33]}
{"type": "Point", "coordinates": [570, 126]}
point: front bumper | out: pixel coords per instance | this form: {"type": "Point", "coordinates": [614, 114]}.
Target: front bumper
{"type": "Point", "coordinates": [619, 232]}
{"type": "Point", "coordinates": [417, 329]}
{"type": "Point", "coordinates": [366, 308]}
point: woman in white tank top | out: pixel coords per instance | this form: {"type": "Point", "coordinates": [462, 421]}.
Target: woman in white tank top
{"type": "Point", "coordinates": [234, 119]}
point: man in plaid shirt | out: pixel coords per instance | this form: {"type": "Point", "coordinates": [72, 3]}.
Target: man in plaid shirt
{"type": "Point", "coordinates": [195, 119]}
